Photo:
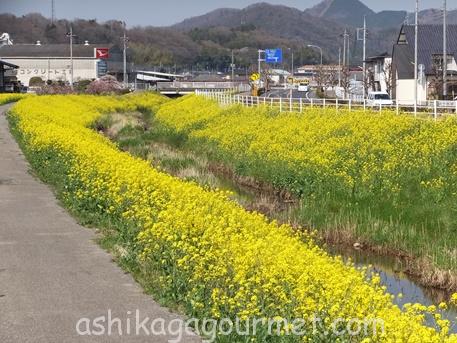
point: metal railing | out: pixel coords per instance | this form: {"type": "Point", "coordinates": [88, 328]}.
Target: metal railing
{"type": "Point", "coordinates": [433, 109]}
{"type": "Point", "coordinates": [198, 85]}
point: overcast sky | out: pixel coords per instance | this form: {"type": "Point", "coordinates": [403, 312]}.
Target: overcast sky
{"type": "Point", "coordinates": [167, 12]}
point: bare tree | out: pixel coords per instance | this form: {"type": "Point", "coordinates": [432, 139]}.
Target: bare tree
{"type": "Point", "coordinates": [368, 80]}
{"type": "Point", "coordinates": [320, 76]}
{"type": "Point", "coordinates": [436, 80]}
{"type": "Point", "coordinates": [332, 76]}
{"type": "Point", "coordinates": [388, 73]}
{"type": "Point", "coordinates": [346, 80]}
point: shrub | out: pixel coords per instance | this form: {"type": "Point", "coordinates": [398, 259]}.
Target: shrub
{"type": "Point", "coordinates": [105, 85]}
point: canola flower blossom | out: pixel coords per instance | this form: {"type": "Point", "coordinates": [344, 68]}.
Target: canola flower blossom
{"type": "Point", "coordinates": [11, 97]}
{"type": "Point", "coordinates": [387, 178]}
{"type": "Point", "coordinates": [212, 257]}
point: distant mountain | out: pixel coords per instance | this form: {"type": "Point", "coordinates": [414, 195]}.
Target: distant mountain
{"type": "Point", "coordinates": [322, 25]}
{"type": "Point", "coordinates": [347, 12]}
{"type": "Point", "coordinates": [276, 20]}
{"type": "Point", "coordinates": [434, 16]}
{"type": "Point", "coordinates": [279, 20]}
{"type": "Point", "coordinates": [351, 12]}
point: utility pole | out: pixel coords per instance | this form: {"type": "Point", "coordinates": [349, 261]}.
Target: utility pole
{"type": "Point", "coordinates": [125, 39]}
{"type": "Point", "coordinates": [364, 54]}
{"type": "Point", "coordinates": [53, 12]}
{"type": "Point", "coordinates": [445, 50]}
{"type": "Point", "coordinates": [345, 48]}
{"type": "Point", "coordinates": [233, 67]}
{"type": "Point", "coordinates": [364, 39]}
{"type": "Point", "coordinates": [416, 35]}
{"type": "Point", "coordinates": [292, 64]}
{"type": "Point", "coordinates": [339, 67]}
{"type": "Point", "coordinates": [71, 35]}
{"type": "Point", "coordinates": [259, 64]}
{"type": "Point", "coordinates": [348, 51]}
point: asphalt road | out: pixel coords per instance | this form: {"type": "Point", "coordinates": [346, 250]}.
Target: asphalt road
{"type": "Point", "coordinates": [285, 93]}
{"type": "Point", "coordinates": [53, 275]}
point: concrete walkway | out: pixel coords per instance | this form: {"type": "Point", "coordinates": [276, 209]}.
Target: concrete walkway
{"type": "Point", "coordinates": [52, 273]}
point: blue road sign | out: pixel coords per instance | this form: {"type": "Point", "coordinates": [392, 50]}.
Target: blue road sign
{"type": "Point", "coordinates": [273, 55]}
{"type": "Point", "coordinates": [102, 68]}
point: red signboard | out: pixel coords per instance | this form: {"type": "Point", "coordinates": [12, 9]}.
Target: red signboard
{"type": "Point", "coordinates": [102, 53]}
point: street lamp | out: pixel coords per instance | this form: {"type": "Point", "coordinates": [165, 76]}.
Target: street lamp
{"type": "Point", "coordinates": [292, 61]}
{"type": "Point", "coordinates": [71, 35]}
{"type": "Point", "coordinates": [317, 47]}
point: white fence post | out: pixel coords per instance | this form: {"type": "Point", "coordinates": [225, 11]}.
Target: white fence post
{"type": "Point", "coordinates": [350, 105]}
{"type": "Point", "coordinates": [301, 105]}
{"type": "Point", "coordinates": [398, 108]}
{"type": "Point", "coordinates": [324, 103]}
{"type": "Point", "coordinates": [435, 109]}
{"type": "Point", "coordinates": [290, 104]}
{"type": "Point", "coordinates": [280, 104]}
{"type": "Point", "coordinates": [336, 104]}
{"type": "Point", "coordinates": [271, 102]}
{"type": "Point", "coordinates": [311, 102]}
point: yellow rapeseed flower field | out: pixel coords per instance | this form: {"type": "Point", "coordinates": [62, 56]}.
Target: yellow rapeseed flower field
{"type": "Point", "coordinates": [213, 257]}
{"type": "Point", "coordinates": [11, 97]}
{"type": "Point", "coordinates": [386, 178]}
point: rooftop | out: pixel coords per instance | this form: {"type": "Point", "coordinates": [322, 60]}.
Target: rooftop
{"type": "Point", "coordinates": [430, 42]}
{"type": "Point", "coordinates": [49, 50]}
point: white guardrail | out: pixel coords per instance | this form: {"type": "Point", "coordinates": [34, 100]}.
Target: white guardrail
{"type": "Point", "coordinates": [203, 85]}
{"type": "Point", "coordinates": [434, 108]}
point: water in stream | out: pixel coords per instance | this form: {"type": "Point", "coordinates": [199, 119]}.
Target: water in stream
{"type": "Point", "coordinates": [392, 276]}
{"type": "Point", "coordinates": [389, 268]}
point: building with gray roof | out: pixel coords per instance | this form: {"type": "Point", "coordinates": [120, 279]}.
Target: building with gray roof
{"type": "Point", "coordinates": [51, 62]}
{"type": "Point", "coordinates": [430, 63]}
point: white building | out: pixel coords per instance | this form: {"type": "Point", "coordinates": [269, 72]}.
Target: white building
{"type": "Point", "coordinates": [430, 63]}
{"type": "Point", "coordinates": [52, 61]}
{"type": "Point", "coordinates": [379, 73]}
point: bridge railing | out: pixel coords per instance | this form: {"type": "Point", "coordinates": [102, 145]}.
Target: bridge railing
{"type": "Point", "coordinates": [198, 85]}
{"type": "Point", "coordinates": [434, 109]}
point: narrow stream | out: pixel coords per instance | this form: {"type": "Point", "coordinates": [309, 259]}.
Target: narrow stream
{"type": "Point", "coordinates": [389, 268]}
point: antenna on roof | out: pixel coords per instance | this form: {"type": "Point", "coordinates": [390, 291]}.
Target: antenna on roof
{"type": "Point", "coordinates": [53, 11]}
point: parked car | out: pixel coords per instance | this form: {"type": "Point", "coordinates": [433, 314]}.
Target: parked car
{"type": "Point", "coordinates": [303, 87]}
{"type": "Point", "coordinates": [379, 98]}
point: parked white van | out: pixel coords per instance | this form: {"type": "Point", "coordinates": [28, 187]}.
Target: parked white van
{"type": "Point", "coordinates": [379, 98]}
{"type": "Point", "coordinates": [303, 87]}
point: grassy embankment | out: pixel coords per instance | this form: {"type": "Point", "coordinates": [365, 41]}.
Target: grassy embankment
{"type": "Point", "coordinates": [388, 182]}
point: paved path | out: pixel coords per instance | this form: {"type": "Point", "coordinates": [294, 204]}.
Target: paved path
{"type": "Point", "coordinates": [52, 273]}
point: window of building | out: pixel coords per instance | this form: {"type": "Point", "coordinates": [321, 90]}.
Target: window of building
{"type": "Point", "coordinates": [402, 38]}
{"type": "Point", "coordinates": [438, 61]}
